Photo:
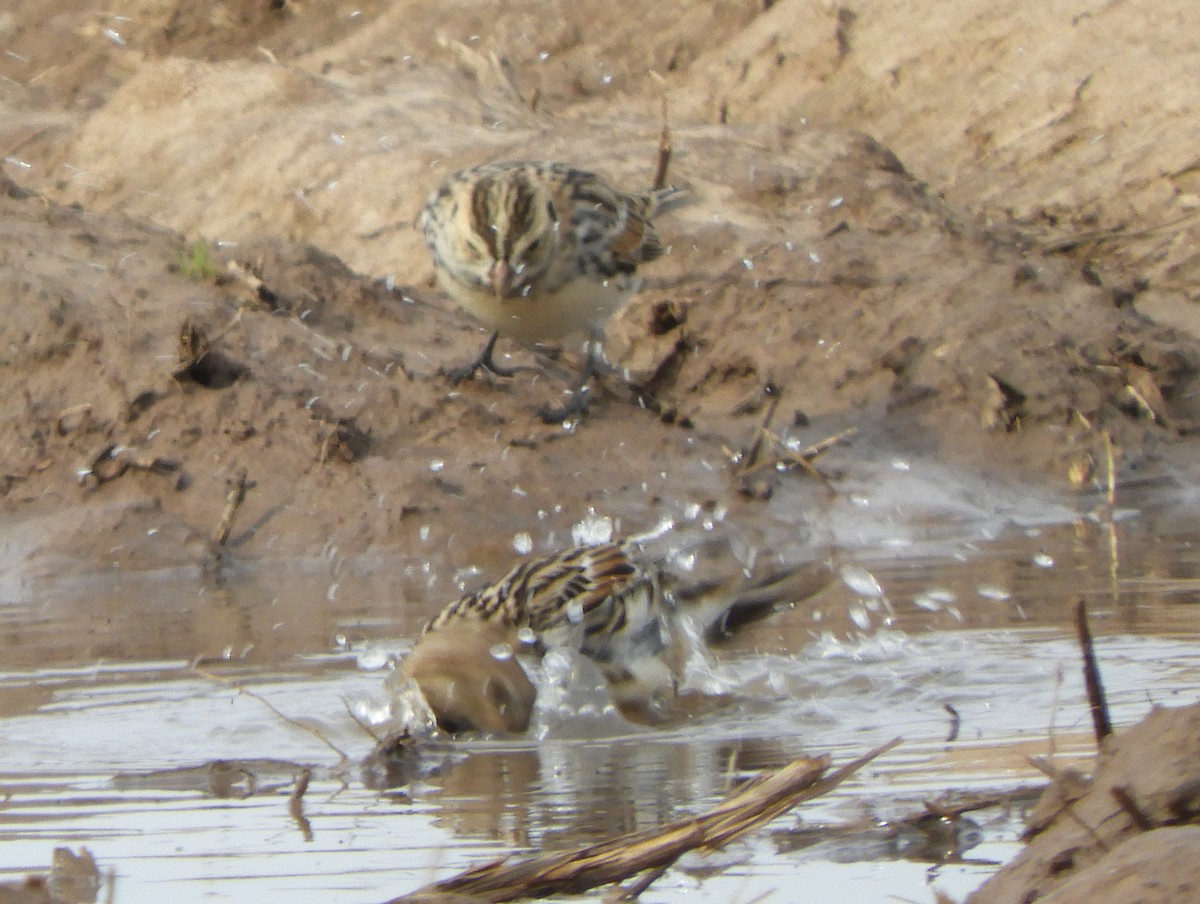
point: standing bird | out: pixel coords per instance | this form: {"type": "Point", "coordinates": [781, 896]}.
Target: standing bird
{"type": "Point", "coordinates": [612, 603]}
{"type": "Point", "coordinates": [538, 251]}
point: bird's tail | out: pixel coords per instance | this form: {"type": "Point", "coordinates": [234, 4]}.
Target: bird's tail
{"type": "Point", "coordinates": [661, 200]}
{"type": "Point", "coordinates": [721, 581]}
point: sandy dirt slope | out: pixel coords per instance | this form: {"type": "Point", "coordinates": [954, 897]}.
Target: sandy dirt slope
{"type": "Point", "coordinates": [894, 279]}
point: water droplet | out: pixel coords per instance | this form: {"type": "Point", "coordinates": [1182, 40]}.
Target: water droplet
{"type": "Point", "coordinates": [934, 600]}
{"type": "Point", "coordinates": [860, 617]}
{"type": "Point", "coordinates": [592, 529]}
{"type": "Point", "coordinates": [372, 659]}
{"type": "Point", "coordinates": [1041, 560]}
{"type": "Point", "coordinates": [837, 202]}
{"type": "Point", "coordinates": [861, 581]}
{"type": "Point", "coordinates": [992, 592]}
{"type": "Point", "coordinates": [501, 652]}
{"type": "Point", "coordinates": [522, 543]}
{"type": "Point", "coordinates": [927, 602]}
{"type": "Point", "coordinates": [436, 465]}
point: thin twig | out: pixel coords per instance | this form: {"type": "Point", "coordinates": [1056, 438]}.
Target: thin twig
{"type": "Point", "coordinates": [1071, 242]}
{"type": "Point", "coordinates": [786, 457]}
{"type": "Point", "coordinates": [812, 450]}
{"type": "Point", "coordinates": [761, 433]}
{"type": "Point", "coordinates": [1091, 676]}
{"type": "Point", "coordinates": [1068, 805]}
{"type": "Point", "coordinates": [1051, 730]}
{"type": "Point", "coordinates": [295, 723]}
{"type": "Point", "coordinates": [634, 890]}
{"type": "Point", "coordinates": [235, 495]}
{"type": "Point", "coordinates": [1122, 795]}
{"type": "Point", "coordinates": [955, 722]}
{"type": "Point", "coordinates": [296, 804]}
{"type": "Point", "coordinates": [620, 858]}
{"type": "Point", "coordinates": [665, 148]}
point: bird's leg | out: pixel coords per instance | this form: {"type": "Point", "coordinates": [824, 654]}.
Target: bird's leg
{"type": "Point", "coordinates": [483, 361]}
{"type": "Point", "coordinates": [577, 404]}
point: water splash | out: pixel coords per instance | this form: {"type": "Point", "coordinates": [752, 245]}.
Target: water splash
{"type": "Point", "coordinates": [592, 529]}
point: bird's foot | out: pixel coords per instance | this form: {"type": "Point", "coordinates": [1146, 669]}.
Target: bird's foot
{"type": "Point", "coordinates": [483, 361]}
{"type": "Point", "coordinates": [573, 408]}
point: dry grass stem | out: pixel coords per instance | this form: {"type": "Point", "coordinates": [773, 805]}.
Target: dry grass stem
{"type": "Point", "coordinates": [235, 495]}
{"type": "Point", "coordinates": [1099, 236]}
{"type": "Point", "coordinates": [573, 872]}
{"type": "Point", "coordinates": [242, 689]}
{"type": "Point", "coordinates": [1091, 676]}
{"type": "Point", "coordinates": [665, 149]}
{"type": "Point", "coordinates": [296, 804]}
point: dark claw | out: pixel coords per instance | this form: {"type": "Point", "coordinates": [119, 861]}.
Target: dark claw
{"type": "Point", "coordinates": [483, 361]}
{"type": "Point", "coordinates": [575, 407]}
{"type": "Point", "coordinates": [577, 404]}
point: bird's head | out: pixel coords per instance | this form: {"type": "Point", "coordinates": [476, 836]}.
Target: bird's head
{"type": "Point", "coordinates": [512, 234]}
{"type": "Point", "coordinates": [469, 675]}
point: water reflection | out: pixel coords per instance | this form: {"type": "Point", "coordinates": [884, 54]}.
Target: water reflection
{"type": "Point", "coordinates": [109, 738]}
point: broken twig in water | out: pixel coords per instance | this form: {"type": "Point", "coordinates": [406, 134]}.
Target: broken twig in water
{"type": "Point", "coordinates": [296, 804]}
{"type": "Point", "coordinates": [1091, 676]}
{"type": "Point", "coordinates": [955, 722]}
{"type": "Point", "coordinates": [624, 857]}
{"type": "Point", "coordinates": [235, 495]}
{"type": "Point", "coordinates": [749, 458]}
{"type": "Point", "coordinates": [242, 689]}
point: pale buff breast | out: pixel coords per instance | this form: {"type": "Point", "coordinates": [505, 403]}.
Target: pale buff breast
{"type": "Point", "coordinates": [576, 307]}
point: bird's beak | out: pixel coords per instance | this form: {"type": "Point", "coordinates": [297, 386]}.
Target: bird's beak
{"type": "Point", "coordinates": [501, 278]}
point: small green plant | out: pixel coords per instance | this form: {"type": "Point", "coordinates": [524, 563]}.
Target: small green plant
{"type": "Point", "coordinates": [196, 262]}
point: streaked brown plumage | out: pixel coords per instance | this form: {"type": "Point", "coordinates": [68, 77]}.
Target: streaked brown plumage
{"type": "Point", "coordinates": [598, 600]}
{"type": "Point", "coordinates": [538, 251]}
{"type": "Point", "coordinates": [613, 603]}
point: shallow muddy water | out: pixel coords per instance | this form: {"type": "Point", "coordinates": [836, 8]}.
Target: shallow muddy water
{"type": "Point", "coordinates": [118, 691]}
